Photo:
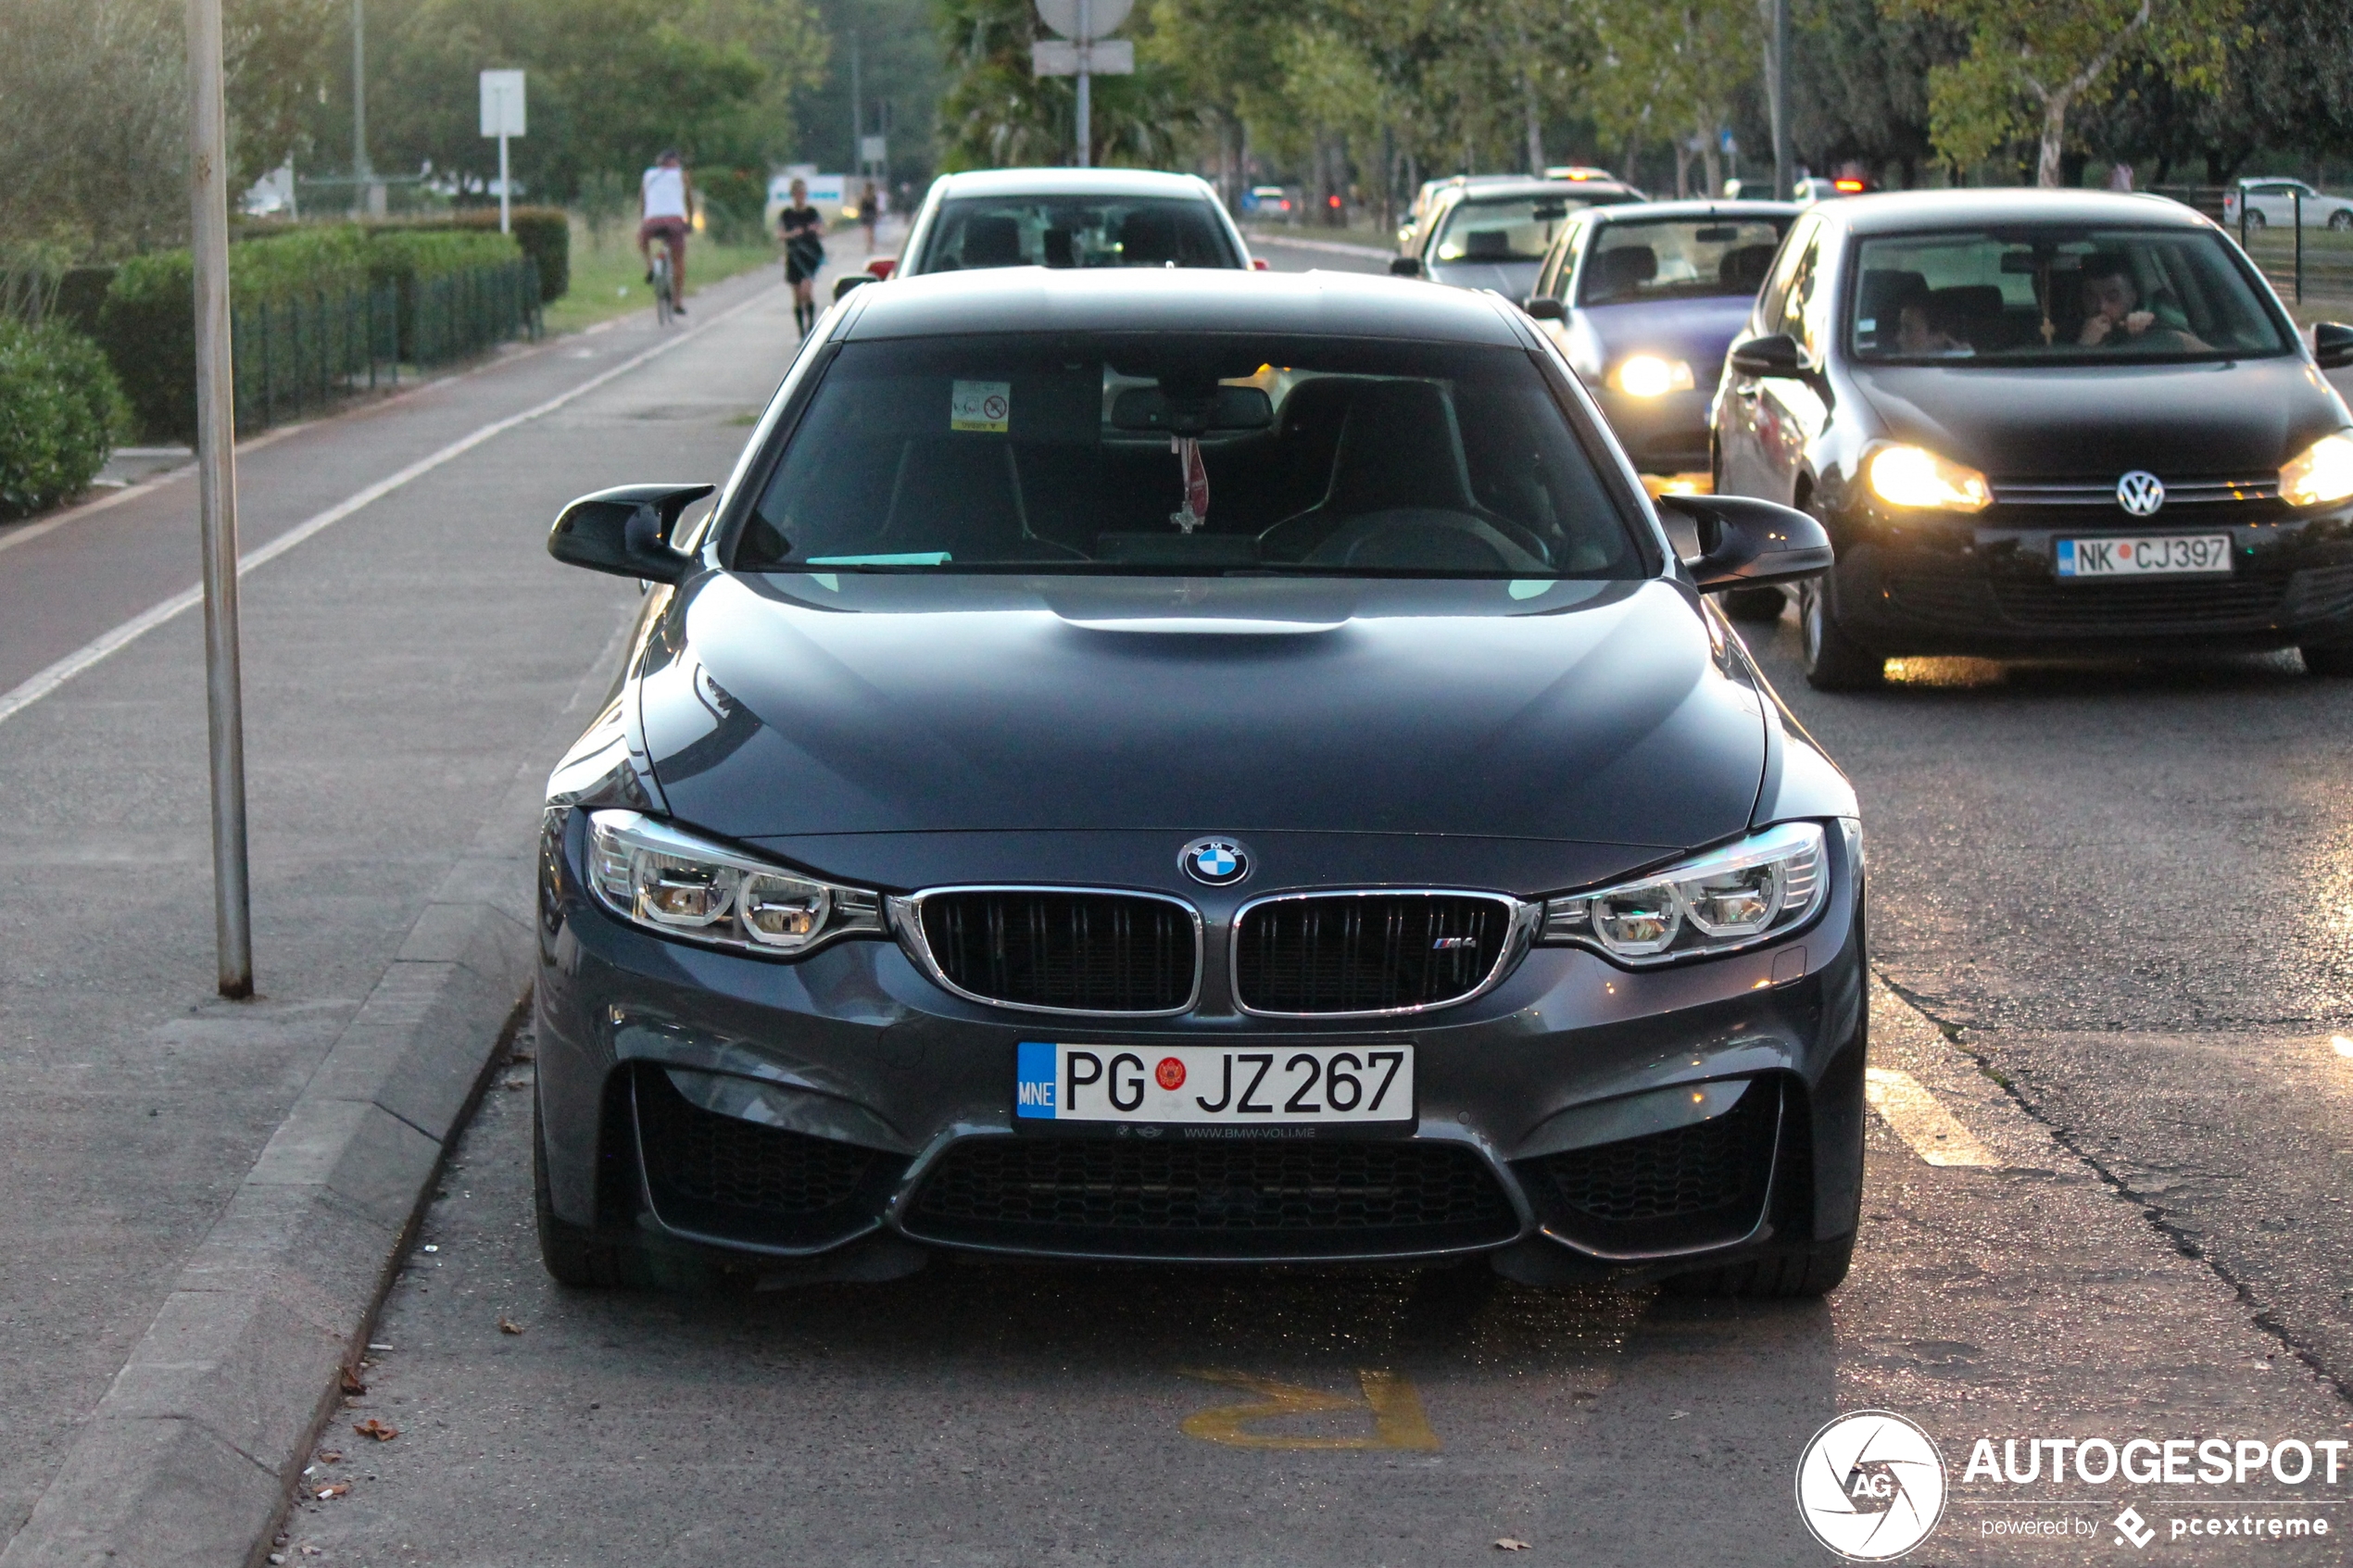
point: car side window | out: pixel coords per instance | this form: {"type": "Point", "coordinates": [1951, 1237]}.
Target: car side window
{"type": "Point", "coordinates": [1552, 283]}
{"type": "Point", "coordinates": [1769, 304]}
{"type": "Point", "coordinates": [1801, 316]}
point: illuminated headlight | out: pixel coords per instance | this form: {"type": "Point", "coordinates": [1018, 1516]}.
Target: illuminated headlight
{"type": "Point", "coordinates": [1914, 476]}
{"type": "Point", "coordinates": [2320, 473]}
{"type": "Point", "coordinates": [1736, 896]}
{"type": "Point", "coordinates": [1647, 375]}
{"type": "Point", "coordinates": [669, 880]}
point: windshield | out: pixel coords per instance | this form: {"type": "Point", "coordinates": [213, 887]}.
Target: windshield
{"type": "Point", "coordinates": [1075, 232]}
{"type": "Point", "coordinates": [1680, 259]}
{"type": "Point", "coordinates": [1186, 454]}
{"type": "Point", "coordinates": [2057, 295]}
{"type": "Point", "coordinates": [1513, 228]}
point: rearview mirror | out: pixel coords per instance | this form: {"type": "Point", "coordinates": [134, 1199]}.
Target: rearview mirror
{"type": "Point", "coordinates": [1544, 307]}
{"type": "Point", "coordinates": [1405, 267]}
{"type": "Point", "coordinates": [849, 281]}
{"type": "Point", "coordinates": [626, 531]}
{"type": "Point", "coordinates": [1751, 543]}
{"type": "Point", "coordinates": [2333, 346]}
{"type": "Point", "coordinates": [1232, 407]}
{"type": "Point", "coordinates": [1773, 354]}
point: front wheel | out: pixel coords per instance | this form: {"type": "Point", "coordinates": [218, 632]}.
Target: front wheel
{"type": "Point", "coordinates": [1796, 1274]}
{"type": "Point", "coordinates": [1832, 661]}
{"type": "Point", "coordinates": [2332, 659]}
{"type": "Point", "coordinates": [573, 1255]}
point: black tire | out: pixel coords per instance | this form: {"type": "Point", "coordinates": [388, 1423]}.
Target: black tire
{"type": "Point", "coordinates": [1760, 607]}
{"type": "Point", "coordinates": [2332, 659]}
{"type": "Point", "coordinates": [1833, 660]}
{"type": "Point", "coordinates": [2341, 219]}
{"type": "Point", "coordinates": [573, 1255]}
{"type": "Point", "coordinates": [2256, 221]}
{"type": "Point", "coordinates": [1794, 1275]}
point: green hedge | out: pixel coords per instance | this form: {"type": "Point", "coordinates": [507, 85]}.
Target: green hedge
{"type": "Point", "coordinates": [544, 233]}
{"type": "Point", "coordinates": [735, 203]}
{"type": "Point", "coordinates": [61, 413]}
{"type": "Point", "coordinates": [147, 322]}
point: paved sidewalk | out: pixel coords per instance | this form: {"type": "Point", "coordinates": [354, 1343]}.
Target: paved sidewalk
{"type": "Point", "coordinates": [411, 671]}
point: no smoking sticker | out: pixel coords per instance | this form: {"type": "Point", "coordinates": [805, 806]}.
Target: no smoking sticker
{"type": "Point", "coordinates": [983, 406]}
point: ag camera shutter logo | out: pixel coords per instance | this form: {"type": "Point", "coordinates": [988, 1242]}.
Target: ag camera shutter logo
{"type": "Point", "coordinates": [1870, 1486]}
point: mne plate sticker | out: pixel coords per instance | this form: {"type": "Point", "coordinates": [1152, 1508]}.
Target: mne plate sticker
{"type": "Point", "coordinates": [1233, 1087]}
{"type": "Point", "coordinates": [986, 406]}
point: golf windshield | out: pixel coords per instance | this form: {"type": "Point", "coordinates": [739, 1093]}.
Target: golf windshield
{"type": "Point", "coordinates": [1680, 259]}
{"type": "Point", "coordinates": [975, 232]}
{"type": "Point", "coordinates": [2058, 294]}
{"type": "Point", "coordinates": [1188, 454]}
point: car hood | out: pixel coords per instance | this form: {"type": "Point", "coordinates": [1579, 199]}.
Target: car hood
{"type": "Point", "coordinates": [1513, 280]}
{"type": "Point", "coordinates": [2226, 419]}
{"type": "Point", "coordinates": [815, 704]}
{"type": "Point", "coordinates": [1694, 331]}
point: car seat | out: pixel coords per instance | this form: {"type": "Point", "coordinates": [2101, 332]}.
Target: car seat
{"type": "Point", "coordinates": [1148, 238]}
{"type": "Point", "coordinates": [956, 493]}
{"type": "Point", "coordinates": [1621, 269]}
{"type": "Point", "coordinates": [992, 240]}
{"type": "Point", "coordinates": [1745, 268]}
{"type": "Point", "coordinates": [1487, 245]}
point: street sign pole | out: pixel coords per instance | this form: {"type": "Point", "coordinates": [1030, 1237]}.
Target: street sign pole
{"type": "Point", "coordinates": [502, 116]}
{"type": "Point", "coordinates": [1086, 79]}
{"type": "Point", "coordinates": [1781, 160]}
{"type": "Point", "coordinates": [217, 493]}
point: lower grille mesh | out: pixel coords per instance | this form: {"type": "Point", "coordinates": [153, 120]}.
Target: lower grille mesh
{"type": "Point", "coordinates": [1078, 952]}
{"type": "Point", "coordinates": [725, 1161]}
{"type": "Point", "coordinates": [1366, 952]}
{"type": "Point", "coordinates": [1713, 1173]}
{"type": "Point", "coordinates": [1213, 1198]}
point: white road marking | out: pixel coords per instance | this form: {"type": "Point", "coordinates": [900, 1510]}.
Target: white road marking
{"type": "Point", "coordinates": [1920, 1121]}
{"type": "Point", "coordinates": [40, 685]}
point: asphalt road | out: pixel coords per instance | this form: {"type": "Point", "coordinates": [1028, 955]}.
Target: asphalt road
{"type": "Point", "coordinates": [2118, 904]}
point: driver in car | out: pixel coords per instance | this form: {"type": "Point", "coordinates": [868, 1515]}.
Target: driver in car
{"type": "Point", "coordinates": [2112, 316]}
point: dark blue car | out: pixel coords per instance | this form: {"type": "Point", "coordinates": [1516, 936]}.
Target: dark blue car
{"type": "Point", "coordinates": [1644, 299]}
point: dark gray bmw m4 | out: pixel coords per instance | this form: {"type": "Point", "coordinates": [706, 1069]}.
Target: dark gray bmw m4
{"type": "Point", "coordinates": [1200, 768]}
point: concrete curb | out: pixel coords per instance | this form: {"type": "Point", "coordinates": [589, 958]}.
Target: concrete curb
{"type": "Point", "coordinates": [189, 1458]}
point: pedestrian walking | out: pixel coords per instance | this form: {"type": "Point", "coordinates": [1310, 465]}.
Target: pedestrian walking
{"type": "Point", "coordinates": [802, 231]}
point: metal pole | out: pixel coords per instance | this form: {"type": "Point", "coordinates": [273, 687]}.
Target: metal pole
{"type": "Point", "coordinates": [2298, 215]}
{"type": "Point", "coordinates": [505, 226]}
{"type": "Point", "coordinates": [1086, 82]}
{"type": "Point", "coordinates": [361, 171]}
{"type": "Point", "coordinates": [216, 487]}
{"type": "Point", "coordinates": [1783, 164]}
{"type": "Point", "coordinates": [857, 108]}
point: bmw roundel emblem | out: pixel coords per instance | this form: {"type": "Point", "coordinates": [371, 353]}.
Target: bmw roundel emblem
{"type": "Point", "coordinates": [1220, 862]}
{"type": "Point", "coordinates": [2140, 492]}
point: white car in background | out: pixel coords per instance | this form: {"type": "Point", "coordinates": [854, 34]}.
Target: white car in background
{"type": "Point", "coordinates": [2272, 201]}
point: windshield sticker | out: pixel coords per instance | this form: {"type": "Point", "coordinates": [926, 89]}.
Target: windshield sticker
{"type": "Point", "coordinates": [986, 406]}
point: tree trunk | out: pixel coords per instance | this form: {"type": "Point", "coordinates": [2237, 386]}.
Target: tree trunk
{"type": "Point", "coordinates": [2047, 168]}
{"type": "Point", "coordinates": [1712, 160]}
{"type": "Point", "coordinates": [1682, 169]}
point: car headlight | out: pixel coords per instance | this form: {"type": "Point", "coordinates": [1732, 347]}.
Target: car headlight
{"type": "Point", "coordinates": [669, 880]}
{"type": "Point", "coordinates": [2320, 473]}
{"type": "Point", "coordinates": [1647, 375]}
{"type": "Point", "coordinates": [1914, 476]}
{"type": "Point", "coordinates": [1752, 890]}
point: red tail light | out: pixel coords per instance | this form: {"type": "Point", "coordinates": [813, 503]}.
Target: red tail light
{"type": "Point", "coordinates": [1258, 264]}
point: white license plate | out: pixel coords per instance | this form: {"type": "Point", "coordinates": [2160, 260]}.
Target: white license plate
{"type": "Point", "coordinates": [1237, 1086]}
{"type": "Point", "coordinates": [2154, 556]}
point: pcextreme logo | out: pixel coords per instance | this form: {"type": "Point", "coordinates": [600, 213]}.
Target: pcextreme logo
{"type": "Point", "coordinates": [1870, 1486]}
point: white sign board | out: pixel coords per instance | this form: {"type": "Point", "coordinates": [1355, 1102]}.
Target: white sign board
{"type": "Point", "coordinates": [1105, 56]}
{"type": "Point", "coordinates": [873, 149]}
{"type": "Point", "coordinates": [502, 103]}
{"type": "Point", "coordinates": [1103, 17]}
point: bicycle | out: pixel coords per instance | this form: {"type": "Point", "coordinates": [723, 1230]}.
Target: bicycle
{"type": "Point", "coordinates": [666, 305]}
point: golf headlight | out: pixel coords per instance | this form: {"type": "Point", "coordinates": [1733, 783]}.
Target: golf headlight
{"type": "Point", "coordinates": [666, 880]}
{"type": "Point", "coordinates": [1729, 899]}
{"type": "Point", "coordinates": [1914, 476]}
{"type": "Point", "coordinates": [1647, 375]}
{"type": "Point", "coordinates": [2320, 473]}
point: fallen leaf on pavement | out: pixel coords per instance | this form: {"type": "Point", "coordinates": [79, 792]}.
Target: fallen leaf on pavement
{"type": "Point", "coordinates": [518, 1083]}
{"type": "Point", "coordinates": [508, 1325]}
{"type": "Point", "coordinates": [351, 1383]}
{"type": "Point", "coordinates": [332, 1489]}
{"type": "Point", "coordinates": [371, 1427]}
{"type": "Point", "coordinates": [1507, 1544]}
{"type": "Point", "coordinates": [519, 1055]}
{"type": "Point", "coordinates": [329, 1455]}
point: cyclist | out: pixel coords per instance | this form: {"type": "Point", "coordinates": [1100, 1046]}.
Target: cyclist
{"type": "Point", "coordinates": [802, 229]}
{"type": "Point", "coordinates": [665, 208]}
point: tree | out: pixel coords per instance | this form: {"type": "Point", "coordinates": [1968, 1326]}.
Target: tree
{"type": "Point", "coordinates": [1858, 84]}
{"type": "Point", "coordinates": [997, 111]}
{"type": "Point", "coordinates": [1675, 67]}
{"type": "Point", "coordinates": [2033, 61]}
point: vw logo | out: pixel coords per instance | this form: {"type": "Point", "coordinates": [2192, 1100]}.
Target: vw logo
{"type": "Point", "coordinates": [2140, 492]}
{"type": "Point", "coordinates": [1220, 862]}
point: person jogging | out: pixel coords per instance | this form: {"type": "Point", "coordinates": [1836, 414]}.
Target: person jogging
{"type": "Point", "coordinates": [802, 231]}
{"type": "Point", "coordinates": [665, 211]}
